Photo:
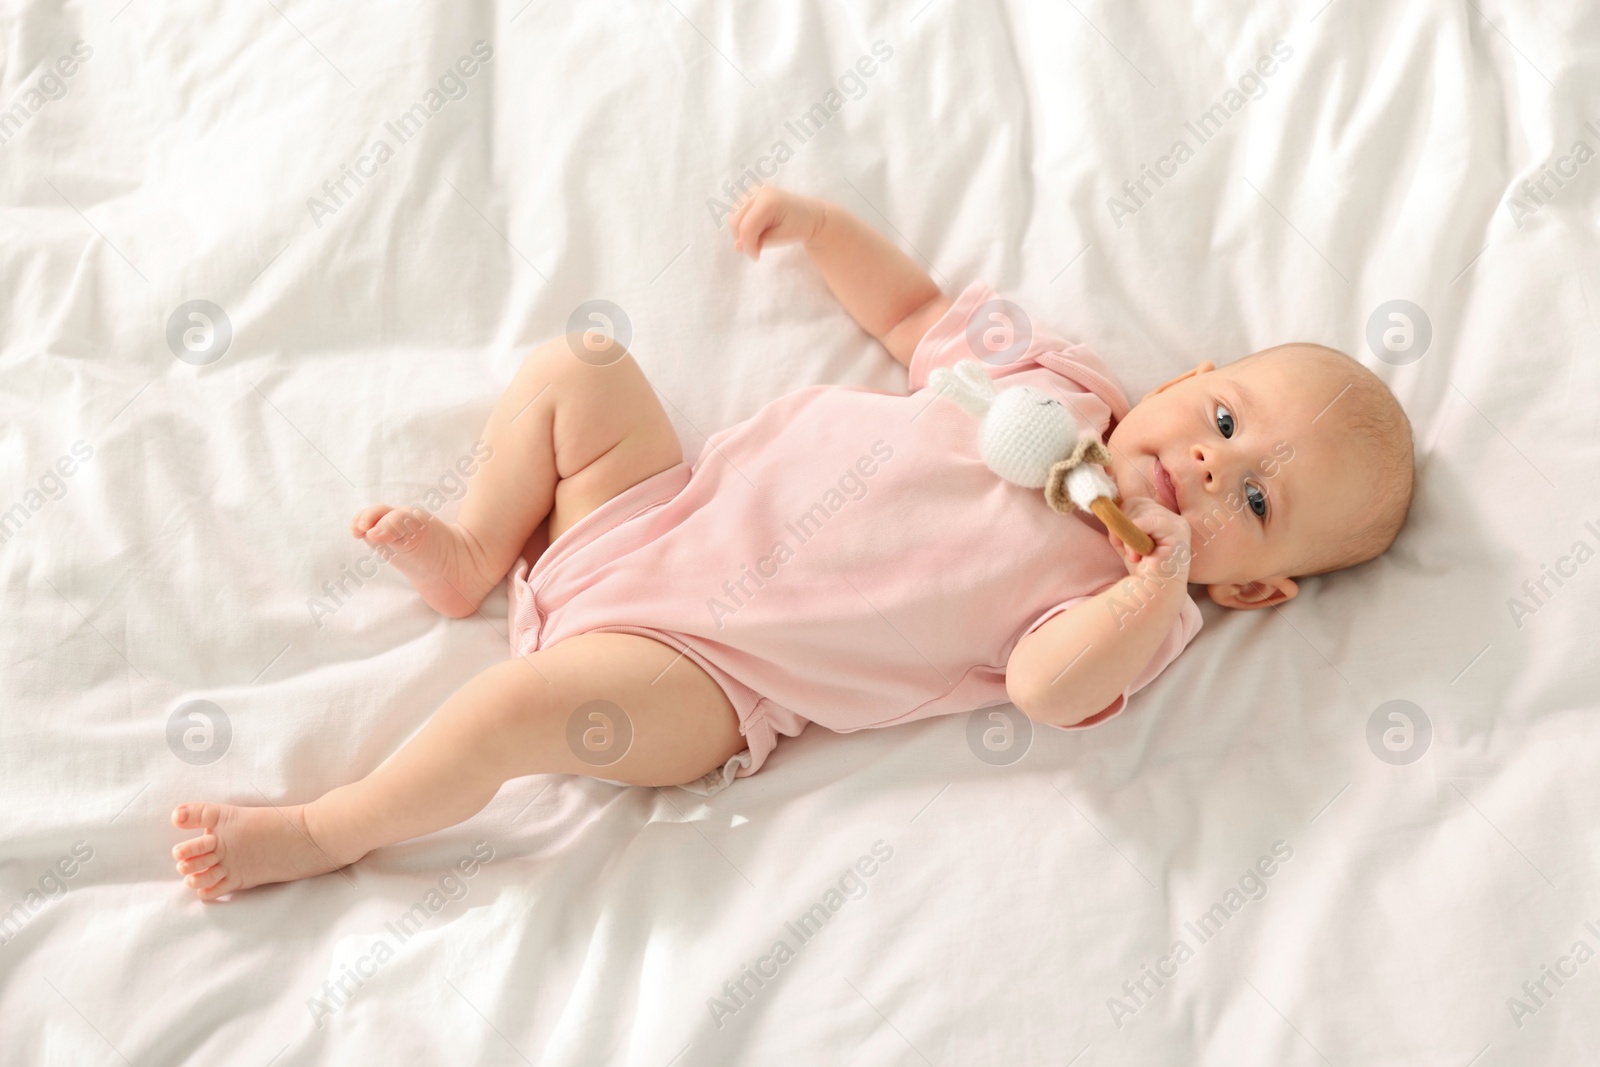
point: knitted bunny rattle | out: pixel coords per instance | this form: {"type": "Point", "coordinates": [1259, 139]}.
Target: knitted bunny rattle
{"type": "Point", "coordinates": [1030, 439]}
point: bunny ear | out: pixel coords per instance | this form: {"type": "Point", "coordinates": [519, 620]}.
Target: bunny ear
{"type": "Point", "coordinates": [955, 386]}
{"type": "Point", "coordinates": [977, 379]}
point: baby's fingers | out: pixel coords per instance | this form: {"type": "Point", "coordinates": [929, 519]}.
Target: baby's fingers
{"type": "Point", "coordinates": [751, 231]}
{"type": "Point", "coordinates": [738, 215]}
{"type": "Point", "coordinates": [748, 210]}
{"type": "Point", "coordinates": [762, 224]}
{"type": "Point", "coordinates": [1128, 555]}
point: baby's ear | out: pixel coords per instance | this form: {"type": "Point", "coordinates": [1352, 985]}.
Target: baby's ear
{"type": "Point", "coordinates": [1262, 594]}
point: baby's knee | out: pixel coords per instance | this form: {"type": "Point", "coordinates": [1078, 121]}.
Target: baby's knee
{"type": "Point", "coordinates": [595, 348]}
{"type": "Point", "coordinates": [512, 698]}
{"type": "Point", "coordinates": [576, 361]}
{"type": "Point", "coordinates": [579, 352]}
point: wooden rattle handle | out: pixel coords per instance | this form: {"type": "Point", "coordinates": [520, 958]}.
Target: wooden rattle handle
{"type": "Point", "coordinates": [1107, 512]}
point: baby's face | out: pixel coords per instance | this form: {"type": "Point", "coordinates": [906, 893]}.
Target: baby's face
{"type": "Point", "coordinates": [1243, 454]}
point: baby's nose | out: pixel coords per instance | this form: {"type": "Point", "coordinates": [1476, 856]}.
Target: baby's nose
{"type": "Point", "coordinates": [1207, 462]}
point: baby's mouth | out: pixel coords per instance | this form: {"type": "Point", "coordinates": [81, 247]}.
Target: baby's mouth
{"type": "Point", "coordinates": [1166, 488]}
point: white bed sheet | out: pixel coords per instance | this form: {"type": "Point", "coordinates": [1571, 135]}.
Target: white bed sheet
{"type": "Point", "coordinates": [371, 336]}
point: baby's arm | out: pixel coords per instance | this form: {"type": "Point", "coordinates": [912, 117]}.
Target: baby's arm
{"type": "Point", "coordinates": [890, 296]}
{"type": "Point", "coordinates": [1074, 666]}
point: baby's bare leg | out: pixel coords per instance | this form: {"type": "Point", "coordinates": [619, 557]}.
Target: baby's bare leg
{"type": "Point", "coordinates": [647, 715]}
{"type": "Point", "coordinates": [577, 426]}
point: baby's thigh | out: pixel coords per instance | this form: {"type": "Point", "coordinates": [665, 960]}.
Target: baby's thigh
{"type": "Point", "coordinates": [636, 710]}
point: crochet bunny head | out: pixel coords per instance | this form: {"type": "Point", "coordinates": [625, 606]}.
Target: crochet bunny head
{"type": "Point", "coordinates": [1023, 432]}
{"type": "Point", "coordinates": [1030, 439]}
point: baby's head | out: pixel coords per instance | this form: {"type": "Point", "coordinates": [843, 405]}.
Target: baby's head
{"type": "Point", "coordinates": [1290, 462]}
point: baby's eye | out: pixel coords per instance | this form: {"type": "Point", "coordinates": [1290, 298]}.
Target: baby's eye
{"type": "Point", "coordinates": [1224, 421]}
{"type": "Point", "coordinates": [1257, 499]}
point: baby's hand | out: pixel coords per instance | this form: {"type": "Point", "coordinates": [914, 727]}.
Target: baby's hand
{"type": "Point", "coordinates": [1170, 532]}
{"type": "Point", "coordinates": [774, 217]}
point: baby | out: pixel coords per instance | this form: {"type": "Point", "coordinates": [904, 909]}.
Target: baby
{"type": "Point", "coordinates": [844, 556]}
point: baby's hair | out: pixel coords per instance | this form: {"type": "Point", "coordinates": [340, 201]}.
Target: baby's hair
{"type": "Point", "coordinates": [1381, 432]}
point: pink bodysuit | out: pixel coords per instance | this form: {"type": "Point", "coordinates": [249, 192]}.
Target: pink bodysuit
{"type": "Point", "coordinates": [844, 556]}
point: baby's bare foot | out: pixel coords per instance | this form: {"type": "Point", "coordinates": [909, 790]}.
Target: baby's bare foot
{"type": "Point", "coordinates": [244, 847]}
{"type": "Point", "coordinates": [438, 557]}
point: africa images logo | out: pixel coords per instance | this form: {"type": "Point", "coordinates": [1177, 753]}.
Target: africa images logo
{"type": "Point", "coordinates": [452, 85]}
{"type": "Point", "coordinates": [1205, 126]}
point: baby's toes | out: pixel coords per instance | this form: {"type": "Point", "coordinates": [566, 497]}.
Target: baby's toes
{"type": "Point", "coordinates": [199, 863]}
{"type": "Point", "coordinates": [196, 816]}
{"type": "Point", "coordinates": [219, 889]}
{"type": "Point", "coordinates": [399, 524]}
{"type": "Point", "coordinates": [195, 847]}
{"type": "Point", "coordinates": [207, 878]}
{"type": "Point", "coordinates": [367, 518]}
